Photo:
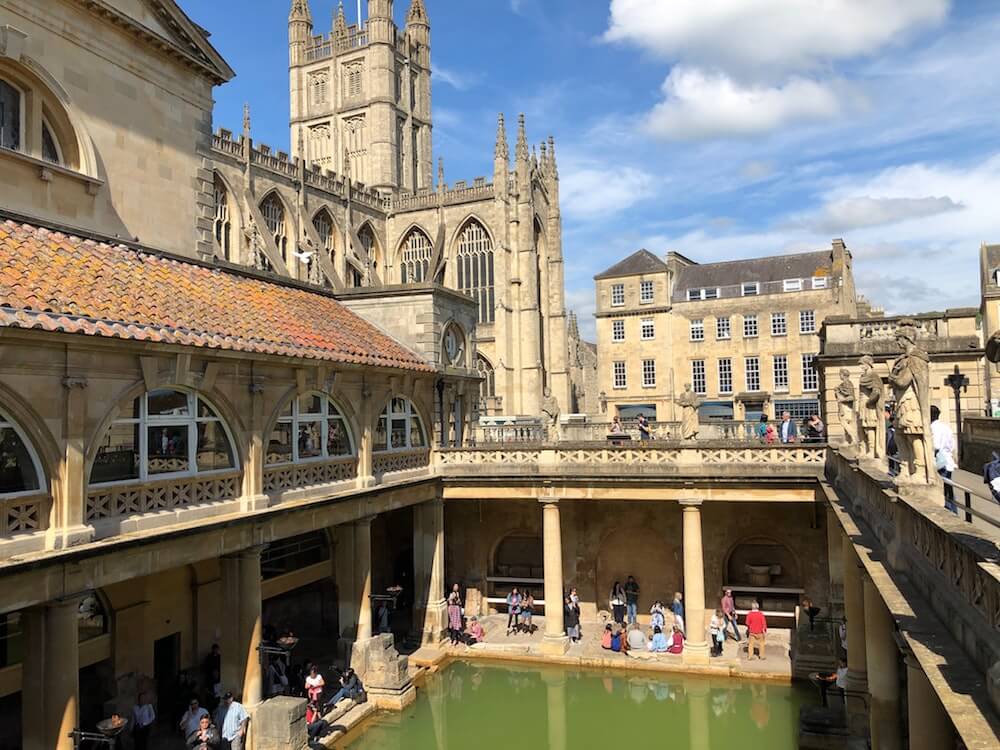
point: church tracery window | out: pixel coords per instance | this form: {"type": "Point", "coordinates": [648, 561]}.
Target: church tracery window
{"type": "Point", "coordinates": [475, 268]}
{"type": "Point", "coordinates": [222, 224]}
{"type": "Point", "coordinates": [274, 217]}
{"type": "Point", "coordinates": [353, 73]}
{"type": "Point", "coordinates": [320, 144]}
{"type": "Point", "coordinates": [319, 87]}
{"type": "Point", "coordinates": [415, 257]}
{"type": "Point", "coordinates": [488, 386]}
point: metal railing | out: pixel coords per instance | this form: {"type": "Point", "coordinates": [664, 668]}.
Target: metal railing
{"type": "Point", "coordinates": [966, 508]}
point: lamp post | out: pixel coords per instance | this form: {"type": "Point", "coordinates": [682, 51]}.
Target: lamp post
{"type": "Point", "coordinates": [959, 383]}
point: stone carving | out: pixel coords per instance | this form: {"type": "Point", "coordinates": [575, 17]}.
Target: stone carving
{"type": "Point", "coordinates": [910, 382]}
{"type": "Point", "coordinates": [689, 403]}
{"type": "Point", "coordinates": [846, 412]}
{"type": "Point", "coordinates": [871, 406]}
{"type": "Point", "coordinates": [551, 412]}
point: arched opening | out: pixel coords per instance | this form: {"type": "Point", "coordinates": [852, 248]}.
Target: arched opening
{"type": "Point", "coordinates": [762, 562]}
{"type": "Point", "coordinates": [326, 230]}
{"type": "Point", "coordinates": [399, 427]}
{"type": "Point", "coordinates": [310, 427]}
{"type": "Point", "coordinates": [517, 561]}
{"type": "Point", "coordinates": [274, 217]}
{"type": "Point", "coordinates": [488, 386]}
{"type": "Point", "coordinates": [371, 246]}
{"type": "Point", "coordinates": [475, 268]}
{"type": "Point", "coordinates": [415, 257]}
{"type": "Point", "coordinates": [20, 469]}
{"type": "Point", "coordinates": [223, 225]}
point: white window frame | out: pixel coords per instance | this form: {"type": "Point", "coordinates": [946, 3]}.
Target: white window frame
{"type": "Point", "coordinates": [725, 368]}
{"type": "Point", "coordinates": [644, 325]}
{"type": "Point", "coordinates": [7, 423]}
{"type": "Point", "coordinates": [409, 414]}
{"type": "Point", "coordinates": [645, 299]}
{"type": "Point", "coordinates": [749, 288]}
{"type": "Point", "coordinates": [727, 333]}
{"type": "Point", "coordinates": [802, 319]}
{"type": "Point", "coordinates": [810, 374]}
{"type": "Point", "coordinates": [747, 320]}
{"type": "Point", "coordinates": [747, 372]}
{"type": "Point", "coordinates": [780, 386]}
{"type": "Point", "coordinates": [617, 331]}
{"type": "Point", "coordinates": [22, 118]}
{"type": "Point", "coordinates": [295, 418]}
{"type": "Point", "coordinates": [710, 292]}
{"type": "Point", "coordinates": [820, 282]}
{"type": "Point", "coordinates": [792, 285]}
{"type": "Point", "coordinates": [699, 377]}
{"type": "Point", "coordinates": [618, 369]}
{"type": "Point", "coordinates": [696, 329]}
{"type": "Point", "coordinates": [779, 324]}
{"type": "Point", "coordinates": [649, 373]}
{"type": "Point", "coordinates": [618, 295]}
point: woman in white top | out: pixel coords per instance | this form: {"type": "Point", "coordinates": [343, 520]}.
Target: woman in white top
{"type": "Point", "coordinates": [314, 684]}
{"type": "Point", "coordinates": [944, 454]}
{"type": "Point", "coordinates": [617, 602]}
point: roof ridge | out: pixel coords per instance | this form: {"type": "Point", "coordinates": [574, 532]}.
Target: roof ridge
{"type": "Point", "coordinates": [762, 257]}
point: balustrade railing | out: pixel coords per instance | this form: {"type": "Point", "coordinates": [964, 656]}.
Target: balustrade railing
{"type": "Point", "coordinates": [150, 497]}
{"type": "Point", "coordinates": [735, 431]}
{"type": "Point", "coordinates": [392, 462]}
{"type": "Point", "coordinates": [23, 514]}
{"type": "Point", "coordinates": [309, 474]}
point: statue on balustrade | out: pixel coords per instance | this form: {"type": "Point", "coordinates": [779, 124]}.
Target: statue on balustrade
{"type": "Point", "coordinates": [846, 399]}
{"type": "Point", "coordinates": [551, 413]}
{"type": "Point", "coordinates": [689, 403]}
{"type": "Point", "coordinates": [910, 382]}
{"type": "Point", "coordinates": [871, 407]}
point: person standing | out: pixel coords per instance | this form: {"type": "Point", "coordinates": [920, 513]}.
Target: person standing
{"type": "Point", "coordinates": [643, 425]}
{"type": "Point", "coordinates": [944, 455]}
{"type": "Point", "coordinates": [728, 605]}
{"type": "Point", "coordinates": [513, 610]}
{"type": "Point", "coordinates": [756, 632]}
{"type": "Point", "coordinates": [454, 619]}
{"type": "Point", "coordinates": [656, 618]}
{"type": "Point", "coordinates": [143, 717]}
{"type": "Point", "coordinates": [571, 618]}
{"type": "Point", "coordinates": [716, 631]}
{"type": "Point", "coordinates": [617, 602]}
{"type": "Point", "coordinates": [632, 600]}
{"type": "Point", "coordinates": [232, 719]}
{"type": "Point", "coordinates": [205, 736]}
{"type": "Point", "coordinates": [678, 609]}
{"type": "Point", "coordinates": [789, 432]}
{"type": "Point", "coordinates": [527, 610]}
{"type": "Point", "coordinates": [191, 720]}
{"type": "Point", "coordinates": [762, 428]}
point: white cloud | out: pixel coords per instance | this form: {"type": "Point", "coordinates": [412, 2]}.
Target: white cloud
{"type": "Point", "coordinates": [595, 192]}
{"type": "Point", "coordinates": [846, 214]}
{"type": "Point", "coordinates": [458, 81]}
{"type": "Point", "coordinates": [700, 105]}
{"type": "Point", "coordinates": [756, 169]}
{"type": "Point", "coordinates": [742, 36]}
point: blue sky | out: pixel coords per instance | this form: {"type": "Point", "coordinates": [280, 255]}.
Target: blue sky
{"type": "Point", "coordinates": [718, 128]}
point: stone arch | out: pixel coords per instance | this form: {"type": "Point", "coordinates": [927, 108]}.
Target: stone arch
{"type": "Point", "coordinates": [517, 552]}
{"type": "Point", "coordinates": [376, 254]}
{"type": "Point", "coordinates": [642, 552]}
{"type": "Point", "coordinates": [39, 439]}
{"type": "Point", "coordinates": [318, 215]}
{"type": "Point", "coordinates": [453, 326]}
{"type": "Point", "coordinates": [413, 269]}
{"type": "Point", "coordinates": [349, 415]}
{"type": "Point", "coordinates": [426, 418]}
{"type": "Point", "coordinates": [285, 242]}
{"type": "Point", "coordinates": [227, 225]}
{"type": "Point", "coordinates": [758, 550]}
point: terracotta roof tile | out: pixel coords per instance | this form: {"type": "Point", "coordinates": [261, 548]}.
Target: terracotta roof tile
{"type": "Point", "coordinates": [60, 283]}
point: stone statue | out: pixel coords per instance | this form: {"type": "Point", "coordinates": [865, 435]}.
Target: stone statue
{"type": "Point", "coordinates": [910, 382]}
{"type": "Point", "coordinates": [871, 406]}
{"type": "Point", "coordinates": [689, 402]}
{"type": "Point", "coordinates": [846, 399]}
{"type": "Point", "coordinates": [550, 409]}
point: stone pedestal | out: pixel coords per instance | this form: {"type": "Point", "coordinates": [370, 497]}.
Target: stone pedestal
{"type": "Point", "coordinates": [280, 724]}
{"type": "Point", "coordinates": [695, 644]}
{"type": "Point", "coordinates": [384, 672]}
{"type": "Point", "coordinates": [555, 640]}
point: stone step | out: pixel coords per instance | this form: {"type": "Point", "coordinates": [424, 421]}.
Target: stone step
{"type": "Point", "coordinates": [352, 716]}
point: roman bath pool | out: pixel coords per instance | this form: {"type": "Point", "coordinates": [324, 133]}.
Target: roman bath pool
{"type": "Point", "coordinates": [490, 706]}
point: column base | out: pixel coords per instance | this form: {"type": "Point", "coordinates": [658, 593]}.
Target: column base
{"type": "Point", "coordinates": [255, 502]}
{"type": "Point", "coordinates": [555, 645]}
{"type": "Point", "coordinates": [695, 653]}
{"type": "Point", "coordinates": [393, 699]}
{"type": "Point", "coordinates": [365, 482]}
{"type": "Point", "coordinates": [434, 623]}
{"type": "Point", "coordinates": [71, 536]}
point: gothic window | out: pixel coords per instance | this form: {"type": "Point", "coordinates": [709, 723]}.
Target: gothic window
{"type": "Point", "coordinates": [19, 467]}
{"type": "Point", "coordinates": [415, 257]}
{"type": "Point", "coordinates": [475, 268]}
{"type": "Point", "coordinates": [318, 87]}
{"type": "Point", "coordinates": [323, 223]}
{"type": "Point", "coordinates": [355, 128]}
{"type": "Point", "coordinates": [400, 150]}
{"type": "Point", "coordinates": [488, 386]}
{"type": "Point", "coordinates": [165, 432]}
{"type": "Point", "coordinates": [50, 146]}
{"type": "Point", "coordinates": [309, 427]}
{"type": "Point", "coordinates": [223, 224]}
{"type": "Point", "coordinates": [367, 236]}
{"type": "Point", "coordinates": [320, 144]}
{"type": "Point", "coordinates": [10, 117]}
{"type": "Point", "coordinates": [352, 80]}
{"type": "Point", "coordinates": [399, 427]}
{"type": "Point", "coordinates": [274, 217]}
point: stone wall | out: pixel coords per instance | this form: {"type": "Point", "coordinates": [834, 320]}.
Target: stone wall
{"type": "Point", "coordinates": [980, 438]}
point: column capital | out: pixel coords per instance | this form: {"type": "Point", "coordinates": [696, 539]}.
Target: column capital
{"type": "Point", "coordinates": [549, 501]}
{"type": "Point", "coordinates": [691, 503]}
{"type": "Point", "coordinates": [365, 520]}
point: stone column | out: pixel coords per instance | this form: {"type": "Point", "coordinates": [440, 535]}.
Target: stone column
{"type": "Point", "coordinates": [70, 495]}
{"type": "Point", "coordinates": [854, 606]}
{"type": "Point", "coordinates": [253, 472]}
{"type": "Point", "coordinates": [429, 609]}
{"type": "Point", "coordinates": [62, 673]}
{"type": "Point", "coordinates": [250, 624]}
{"type": "Point", "coordinates": [363, 576]}
{"type": "Point", "coordinates": [882, 657]}
{"type": "Point", "coordinates": [33, 716]}
{"type": "Point", "coordinates": [555, 641]}
{"type": "Point", "coordinates": [695, 643]}
{"type": "Point", "coordinates": [555, 693]}
{"type": "Point", "coordinates": [835, 548]}
{"type": "Point", "coordinates": [930, 727]}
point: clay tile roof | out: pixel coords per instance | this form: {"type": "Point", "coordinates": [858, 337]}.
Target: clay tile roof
{"type": "Point", "coordinates": [61, 283]}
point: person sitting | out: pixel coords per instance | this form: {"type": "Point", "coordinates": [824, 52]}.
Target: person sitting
{"type": "Point", "coordinates": [351, 687]}
{"type": "Point", "coordinates": [675, 643]}
{"type": "Point", "coordinates": [656, 617]}
{"type": "Point", "coordinates": [606, 637]}
{"type": "Point", "coordinates": [618, 644]}
{"type": "Point", "coordinates": [206, 736]}
{"type": "Point", "coordinates": [476, 634]}
{"type": "Point", "coordinates": [316, 725]}
{"type": "Point", "coordinates": [658, 644]}
{"type": "Point", "coordinates": [636, 639]}
{"type": "Point", "coordinates": [314, 684]}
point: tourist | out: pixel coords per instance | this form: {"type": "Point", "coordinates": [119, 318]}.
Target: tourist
{"type": "Point", "coordinates": [717, 632]}
{"type": "Point", "coordinates": [815, 429]}
{"type": "Point", "coordinates": [476, 633]}
{"type": "Point", "coordinates": [350, 687]}
{"type": "Point", "coordinates": [678, 609]}
{"type": "Point", "coordinates": [606, 637]}
{"type": "Point", "coordinates": [513, 610]}
{"type": "Point", "coordinates": [571, 619]}
{"type": "Point", "coordinates": [191, 719]}
{"type": "Point", "coordinates": [762, 427]}
{"type": "Point", "coordinates": [643, 425]}
{"type": "Point", "coordinates": [617, 642]}
{"type": "Point", "coordinates": [617, 602]}
{"type": "Point", "coordinates": [842, 679]}
{"type": "Point", "coordinates": [574, 597]}
{"type": "Point", "coordinates": [454, 620]}
{"type": "Point", "coordinates": [632, 600]}
{"type": "Point", "coordinates": [232, 719]}
{"type": "Point", "coordinates": [944, 455]}
{"type": "Point", "coordinates": [616, 426]}
{"type": "Point", "coordinates": [455, 595]}
{"type": "Point", "coordinates": [314, 684]}
{"type": "Point", "coordinates": [789, 432]}
{"type": "Point", "coordinates": [656, 616]}
{"type": "Point", "coordinates": [212, 666]}
{"type": "Point", "coordinates": [658, 643]}
{"type": "Point", "coordinates": [729, 612]}
{"type": "Point", "coordinates": [205, 735]}
{"type": "Point", "coordinates": [316, 725]}
{"type": "Point", "coordinates": [527, 611]}
{"type": "Point", "coordinates": [636, 639]}
{"type": "Point", "coordinates": [143, 717]}
{"type": "Point", "coordinates": [675, 643]}
{"type": "Point", "coordinates": [756, 632]}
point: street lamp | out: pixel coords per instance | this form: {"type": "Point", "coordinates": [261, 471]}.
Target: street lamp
{"type": "Point", "coordinates": [959, 383]}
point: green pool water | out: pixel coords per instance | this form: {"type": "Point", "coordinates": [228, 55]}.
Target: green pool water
{"type": "Point", "coordinates": [486, 706]}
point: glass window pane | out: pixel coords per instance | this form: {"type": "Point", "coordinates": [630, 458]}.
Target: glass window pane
{"type": "Point", "coordinates": [118, 459]}
{"type": "Point", "coordinates": [399, 406]}
{"type": "Point", "coordinates": [311, 404]}
{"type": "Point", "coordinates": [286, 411]}
{"type": "Point", "coordinates": [310, 440]}
{"type": "Point", "coordinates": [168, 448]}
{"type": "Point", "coordinates": [214, 451]}
{"type": "Point", "coordinates": [380, 436]}
{"type": "Point", "coordinates": [337, 443]}
{"type": "Point", "coordinates": [50, 152]}
{"type": "Point", "coordinates": [164, 403]}
{"type": "Point", "coordinates": [398, 436]}
{"type": "Point", "coordinates": [279, 445]}
{"type": "Point", "coordinates": [17, 471]}
{"type": "Point", "coordinates": [205, 411]}
{"type": "Point", "coordinates": [416, 432]}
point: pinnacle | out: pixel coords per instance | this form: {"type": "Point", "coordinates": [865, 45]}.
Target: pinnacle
{"type": "Point", "coordinates": [417, 12]}
{"type": "Point", "coordinates": [521, 152]}
{"type": "Point", "coordinates": [501, 151]}
{"type": "Point", "coordinates": [300, 11]}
